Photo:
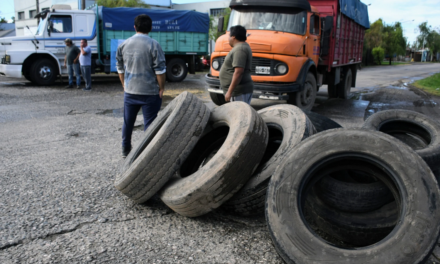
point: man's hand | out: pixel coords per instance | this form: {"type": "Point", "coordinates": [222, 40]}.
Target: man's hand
{"type": "Point", "coordinates": [228, 96]}
{"type": "Point", "coordinates": [75, 61]}
{"type": "Point", "coordinates": [161, 93]}
{"type": "Point", "coordinates": [122, 79]}
{"type": "Point", "coordinates": [161, 81]}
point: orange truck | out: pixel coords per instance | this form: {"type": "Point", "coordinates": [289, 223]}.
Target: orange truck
{"type": "Point", "coordinates": [297, 46]}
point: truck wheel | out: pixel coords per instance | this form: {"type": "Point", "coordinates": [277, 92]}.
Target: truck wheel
{"type": "Point", "coordinates": [409, 178]}
{"type": "Point", "coordinates": [418, 131]}
{"type": "Point", "coordinates": [306, 98]}
{"type": "Point", "coordinates": [176, 70]}
{"type": "Point", "coordinates": [167, 141]}
{"type": "Point", "coordinates": [344, 87]}
{"type": "Point", "coordinates": [43, 72]}
{"type": "Point", "coordinates": [218, 99]}
{"type": "Point", "coordinates": [216, 170]}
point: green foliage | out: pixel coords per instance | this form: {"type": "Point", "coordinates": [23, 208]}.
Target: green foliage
{"type": "Point", "coordinates": [213, 25]}
{"type": "Point", "coordinates": [13, 19]}
{"type": "Point", "coordinates": [373, 35]}
{"type": "Point", "coordinates": [379, 55]}
{"type": "Point", "coordinates": [122, 3]}
{"type": "Point", "coordinates": [393, 40]}
{"type": "Point", "coordinates": [430, 84]}
{"type": "Point", "coordinates": [3, 20]}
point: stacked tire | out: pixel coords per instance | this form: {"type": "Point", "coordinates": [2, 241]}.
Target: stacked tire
{"type": "Point", "coordinates": [329, 194]}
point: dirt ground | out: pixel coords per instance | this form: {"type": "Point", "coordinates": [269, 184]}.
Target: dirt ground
{"type": "Point", "coordinates": [61, 150]}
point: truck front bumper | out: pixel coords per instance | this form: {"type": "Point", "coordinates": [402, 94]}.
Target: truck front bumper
{"type": "Point", "coordinates": [269, 91]}
{"type": "Point", "coordinates": [10, 70]}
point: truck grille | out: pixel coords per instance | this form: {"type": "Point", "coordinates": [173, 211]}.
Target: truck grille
{"type": "Point", "coordinates": [256, 61]}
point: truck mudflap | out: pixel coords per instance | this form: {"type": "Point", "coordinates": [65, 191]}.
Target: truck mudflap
{"type": "Point", "coordinates": [270, 91]}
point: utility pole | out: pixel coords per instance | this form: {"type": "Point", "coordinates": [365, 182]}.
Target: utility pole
{"type": "Point", "coordinates": [38, 10]}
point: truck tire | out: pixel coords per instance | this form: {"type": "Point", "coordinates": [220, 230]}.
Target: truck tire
{"type": "Point", "coordinates": [218, 99]}
{"type": "Point", "coordinates": [419, 131]}
{"type": "Point", "coordinates": [320, 122]}
{"type": "Point", "coordinates": [288, 126]}
{"type": "Point", "coordinates": [166, 143]}
{"type": "Point", "coordinates": [343, 88]}
{"type": "Point", "coordinates": [211, 183]}
{"type": "Point", "coordinates": [355, 229]}
{"type": "Point", "coordinates": [43, 72]}
{"type": "Point", "coordinates": [354, 197]}
{"type": "Point", "coordinates": [176, 70]}
{"type": "Point", "coordinates": [306, 98]}
{"type": "Point", "coordinates": [413, 185]}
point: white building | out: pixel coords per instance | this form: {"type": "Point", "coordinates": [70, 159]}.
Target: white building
{"type": "Point", "coordinates": [213, 8]}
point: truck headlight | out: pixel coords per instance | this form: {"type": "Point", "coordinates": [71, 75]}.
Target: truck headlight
{"type": "Point", "coordinates": [215, 65]}
{"type": "Point", "coordinates": [281, 68]}
{"type": "Point", "coordinates": [7, 58]}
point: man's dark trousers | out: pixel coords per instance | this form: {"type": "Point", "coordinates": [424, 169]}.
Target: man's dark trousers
{"type": "Point", "coordinates": [150, 105]}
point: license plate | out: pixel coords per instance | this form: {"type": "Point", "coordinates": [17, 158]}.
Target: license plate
{"type": "Point", "coordinates": [262, 70]}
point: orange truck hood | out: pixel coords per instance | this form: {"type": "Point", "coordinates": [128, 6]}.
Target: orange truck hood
{"type": "Point", "coordinates": [265, 41]}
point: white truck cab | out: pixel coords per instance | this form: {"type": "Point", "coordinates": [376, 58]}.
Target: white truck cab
{"type": "Point", "coordinates": [40, 58]}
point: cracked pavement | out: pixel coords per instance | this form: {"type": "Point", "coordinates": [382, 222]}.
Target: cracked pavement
{"type": "Point", "coordinates": [60, 154]}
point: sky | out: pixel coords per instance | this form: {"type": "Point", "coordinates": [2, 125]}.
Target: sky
{"type": "Point", "coordinates": [409, 12]}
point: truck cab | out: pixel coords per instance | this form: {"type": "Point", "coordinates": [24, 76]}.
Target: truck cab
{"type": "Point", "coordinates": [292, 46]}
{"type": "Point", "coordinates": [40, 57]}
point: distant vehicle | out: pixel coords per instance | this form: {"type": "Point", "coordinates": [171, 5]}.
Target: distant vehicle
{"type": "Point", "coordinates": [297, 46]}
{"type": "Point", "coordinates": [40, 58]}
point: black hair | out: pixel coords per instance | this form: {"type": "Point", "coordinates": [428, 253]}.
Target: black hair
{"type": "Point", "coordinates": [143, 23]}
{"type": "Point", "coordinates": [239, 32]}
{"type": "Point", "coordinates": [85, 40]}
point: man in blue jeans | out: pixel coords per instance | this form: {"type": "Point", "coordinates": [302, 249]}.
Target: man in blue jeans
{"type": "Point", "coordinates": [85, 59]}
{"type": "Point", "coordinates": [140, 62]}
{"type": "Point", "coordinates": [71, 61]}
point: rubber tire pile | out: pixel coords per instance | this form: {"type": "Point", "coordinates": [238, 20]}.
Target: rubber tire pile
{"type": "Point", "coordinates": [329, 194]}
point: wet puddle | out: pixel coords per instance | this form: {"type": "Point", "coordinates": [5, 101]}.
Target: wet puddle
{"type": "Point", "coordinates": [425, 102]}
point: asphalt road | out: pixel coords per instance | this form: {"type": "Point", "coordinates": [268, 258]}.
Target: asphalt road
{"type": "Point", "coordinates": [60, 152]}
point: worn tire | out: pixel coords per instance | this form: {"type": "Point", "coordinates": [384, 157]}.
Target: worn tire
{"type": "Point", "coordinates": [414, 185]}
{"type": "Point", "coordinates": [356, 229]}
{"type": "Point", "coordinates": [353, 197]}
{"type": "Point", "coordinates": [288, 124]}
{"type": "Point", "coordinates": [305, 99]}
{"type": "Point", "coordinates": [166, 144]}
{"type": "Point", "coordinates": [320, 122]}
{"type": "Point", "coordinates": [419, 131]}
{"type": "Point", "coordinates": [228, 170]}
{"type": "Point", "coordinates": [176, 70]}
{"type": "Point", "coordinates": [344, 86]}
{"type": "Point", "coordinates": [218, 99]}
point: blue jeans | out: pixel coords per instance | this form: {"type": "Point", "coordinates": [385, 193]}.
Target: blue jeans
{"type": "Point", "coordinates": [243, 98]}
{"type": "Point", "coordinates": [87, 75]}
{"type": "Point", "coordinates": [74, 68]}
{"type": "Point", "coordinates": [150, 105]}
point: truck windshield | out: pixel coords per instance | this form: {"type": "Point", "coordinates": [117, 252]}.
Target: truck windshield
{"type": "Point", "coordinates": [40, 28]}
{"type": "Point", "coordinates": [257, 19]}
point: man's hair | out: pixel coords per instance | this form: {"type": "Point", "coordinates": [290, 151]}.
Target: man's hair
{"type": "Point", "coordinates": [239, 32]}
{"type": "Point", "coordinates": [143, 23]}
{"type": "Point", "coordinates": [68, 40]}
{"type": "Point", "coordinates": [85, 40]}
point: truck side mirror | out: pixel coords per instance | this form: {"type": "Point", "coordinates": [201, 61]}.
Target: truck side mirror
{"type": "Point", "coordinates": [221, 21]}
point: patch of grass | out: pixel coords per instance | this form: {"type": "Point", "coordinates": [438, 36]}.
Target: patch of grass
{"type": "Point", "coordinates": [430, 84]}
{"type": "Point", "coordinates": [394, 63]}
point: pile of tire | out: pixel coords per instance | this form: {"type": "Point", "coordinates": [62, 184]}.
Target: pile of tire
{"type": "Point", "coordinates": [329, 194]}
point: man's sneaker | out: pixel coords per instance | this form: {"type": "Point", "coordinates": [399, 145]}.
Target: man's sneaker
{"type": "Point", "coordinates": [69, 86]}
{"type": "Point", "coordinates": [88, 90]}
{"type": "Point", "coordinates": [125, 151]}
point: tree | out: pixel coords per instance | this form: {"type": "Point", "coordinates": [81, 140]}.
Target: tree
{"type": "Point", "coordinates": [213, 24]}
{"type": "Point", "coordinates": [393, 40]}
{"type": "Point", "coordinates": [3, 20]}
{"type": "Point", "coordinates": [13, 19]}
{"type": "Point", "coordinates": [428, 38]}
{"type": "Point", "coordinates": [379, 55]}
{"type": "Point", "coordinates": [122, 3]}
{"type": "Point", "coordinates": [373, 36]}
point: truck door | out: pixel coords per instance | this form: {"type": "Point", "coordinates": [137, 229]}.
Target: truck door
{"type": "Point", "coordinates": [314, 39]}
{"type": "Point", "coordinates": [60, 27]}
{"type": "Point", "coordinates": [85, 29]}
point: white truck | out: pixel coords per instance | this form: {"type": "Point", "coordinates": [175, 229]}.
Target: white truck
{"type": "Point", "coordinates": [40, 57]}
